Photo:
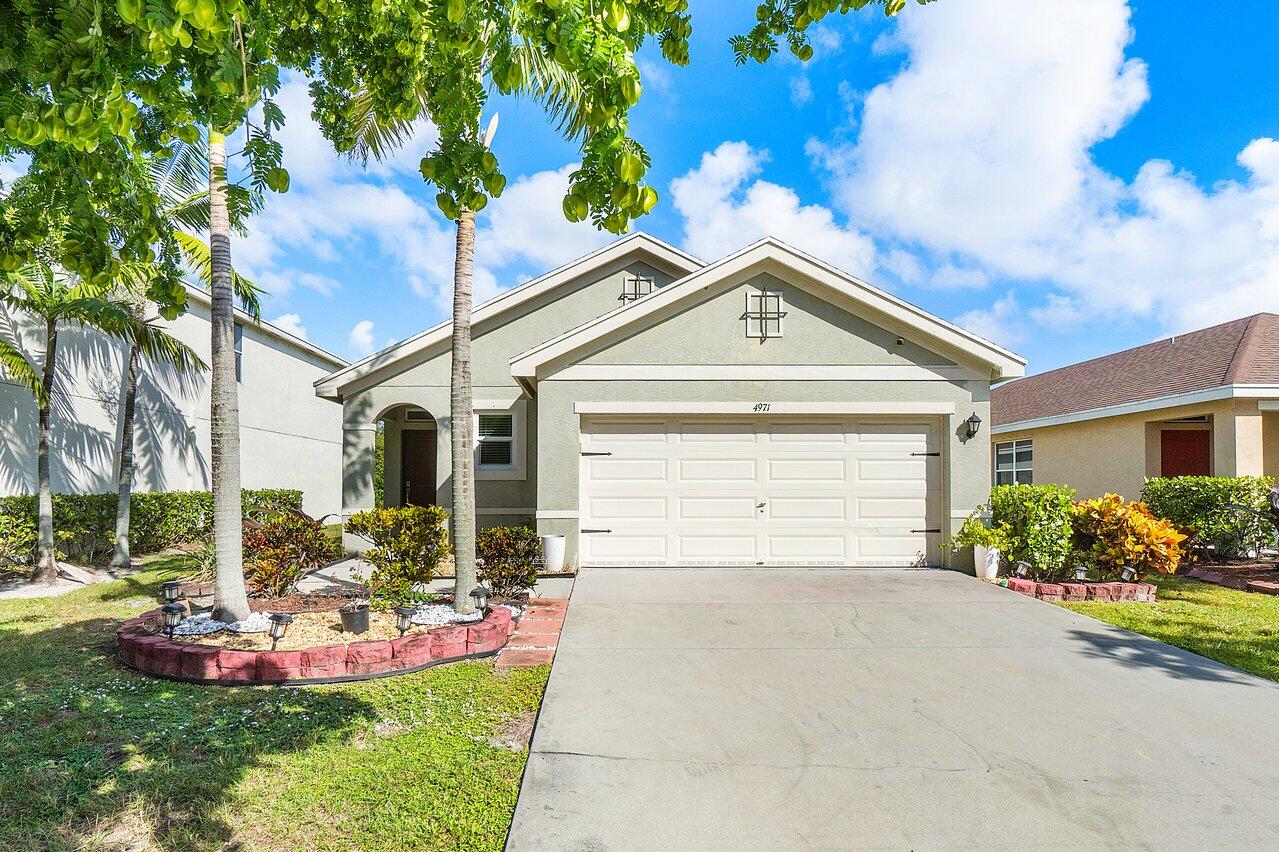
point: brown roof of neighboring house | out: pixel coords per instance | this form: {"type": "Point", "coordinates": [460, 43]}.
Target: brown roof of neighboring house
{"type": "Point", "coordinates": [1243, 351]}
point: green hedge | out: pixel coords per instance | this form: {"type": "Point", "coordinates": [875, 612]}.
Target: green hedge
{"type": "Point", "coordinates": [85, 523]}
{"type": "Point", "coordinates": [1038, 519]}
{"type": "Point", "coordinates": [1197, 506]}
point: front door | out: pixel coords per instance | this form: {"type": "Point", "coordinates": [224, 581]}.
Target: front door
{"type": "Point", "coordinates": [1185, 452]}
{"type": "Point", "coordinates": [417, 449]}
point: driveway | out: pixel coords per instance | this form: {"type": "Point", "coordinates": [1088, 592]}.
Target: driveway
{"type": "Point", "coordinates": [777, 708]}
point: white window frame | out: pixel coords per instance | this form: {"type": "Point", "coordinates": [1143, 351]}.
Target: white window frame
{"type": "Point", "coordinates": [519, 439]}
{"type": "Point", "coordinates": [1015, 467]}
{"type": "Point", "coordinates": [238, 345]}
{"type": "Point", "coordinates": [758, 317]}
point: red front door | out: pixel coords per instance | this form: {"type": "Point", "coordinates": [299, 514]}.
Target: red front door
{"type": "Point", "coordinates": [1185, 452]}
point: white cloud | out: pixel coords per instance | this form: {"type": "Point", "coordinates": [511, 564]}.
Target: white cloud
{"type": "Point", "coordinates": [980, 149]}
{"type": "Point", "coordinates": [361, 337]}
{"type": "Point", "coordinates": [801, 91]}
{"type": "Point", "coordinates": [656, 78]}
{"type": "Point", "coordinates": [526, 223]}
{"type": "Point", "coordinates": [1003, 322]}
{"type": "Point", "coordinates": [292, 323]}
{"type": "Point", "coordinates": [725, 208]}
{"type": "Point", "coordinates": [826, 41]}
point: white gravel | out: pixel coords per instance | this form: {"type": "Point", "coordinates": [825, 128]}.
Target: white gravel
{"type": "Point", "coordinates": [198, 625]}
{"type": "Point", "coordinates": [434, 615]}
{"type": "Point", "coordinates": [257, 622]}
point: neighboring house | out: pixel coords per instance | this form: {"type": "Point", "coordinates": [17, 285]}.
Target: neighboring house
{"type": "Point", "coordinates": [763, 409]}
{"type": "Point", "coordinates": [288, 438]}
{"type": "Point", "coordinates": [1203, 403]}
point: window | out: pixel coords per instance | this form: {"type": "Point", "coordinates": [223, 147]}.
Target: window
{"type": "Point", "coordinates": [496, 435]}
{"type": "Point", "coordinates": [239, 352]}
{"type": "Point", "coordinates": [417, 415]}
{"type": "Point", "coordinates": [635, 287]}
{"type": "Point", "coordinates": [1015, 462]}
{"type": "Point", "coordinates": [764, 314]}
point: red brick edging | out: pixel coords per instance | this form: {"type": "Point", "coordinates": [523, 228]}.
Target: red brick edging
{"type": "Point", "coordinates": [535, 639]}
{"type": "Point", "coordinates": [1142, 592]}
{"type": "Point", "coordinates": [141, 649]}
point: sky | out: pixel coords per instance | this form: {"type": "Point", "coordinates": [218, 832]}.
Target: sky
{"type": "Point", "coordinates": [1065, 177]}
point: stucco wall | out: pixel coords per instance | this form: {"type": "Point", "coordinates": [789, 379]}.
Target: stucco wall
{"type": "Point", "coordinates": [289, 437]}
{"type": "Point", "coordinates": [1116, 454]}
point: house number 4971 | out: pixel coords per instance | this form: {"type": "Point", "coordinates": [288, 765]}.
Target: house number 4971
{"type": "Point", "coordinates": [762, 406]}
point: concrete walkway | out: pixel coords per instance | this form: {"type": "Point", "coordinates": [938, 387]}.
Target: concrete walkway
{"type": "Point", "coordinates": [788, 709]}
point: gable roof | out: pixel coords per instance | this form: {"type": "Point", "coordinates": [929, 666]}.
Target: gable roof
{"type": "Point", "coordinates": [1003, 364]}
{"type": "Point", "coordinates": [637, 242]}
{"type": "Point", "coordinates": [1240, 352]}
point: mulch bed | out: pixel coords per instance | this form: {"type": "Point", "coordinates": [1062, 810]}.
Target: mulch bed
{"type": "Point", "coordinates": [317, 602]}
{"type": "Point", "coordinates": [1239, 573]}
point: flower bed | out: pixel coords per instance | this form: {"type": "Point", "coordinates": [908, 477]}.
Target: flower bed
{"type": "Point", "coordinates": [1088, 591]}
{"type": "Point", "coordinates": [142, 646]}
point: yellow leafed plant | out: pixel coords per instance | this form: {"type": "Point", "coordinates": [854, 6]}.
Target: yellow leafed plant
{"type": "Point", "coordinates": [1117, 533]}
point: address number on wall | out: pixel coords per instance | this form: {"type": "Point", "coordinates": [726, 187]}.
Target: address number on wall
{"type": "Point", "coordinates": [763, 406]}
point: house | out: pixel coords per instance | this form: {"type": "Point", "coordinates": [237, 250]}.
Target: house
{"type": "Point", "coordinates": [288, 437]}
{"type": "Point", "coordinates": [656, 410]}
{"type": "Point", "coordinates": [1204, 403]}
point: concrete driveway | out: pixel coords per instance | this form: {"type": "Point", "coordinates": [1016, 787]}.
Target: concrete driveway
{"type": "Point", "coordinates": [786, 709]}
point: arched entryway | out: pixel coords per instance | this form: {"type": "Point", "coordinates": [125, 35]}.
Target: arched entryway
{"type": "Point", "coordinates": [410, 468]}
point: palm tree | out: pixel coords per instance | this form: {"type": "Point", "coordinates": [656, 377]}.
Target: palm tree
{"type": "Point", "coordinates": [179, 179]}
{"type": "Point", "coordinates": [54, 297]}
{"type": "Point", "coordinates": [561, 95]}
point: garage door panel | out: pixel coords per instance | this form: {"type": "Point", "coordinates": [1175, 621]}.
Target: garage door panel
{"type": "Point", "coordinates": [772, 490]}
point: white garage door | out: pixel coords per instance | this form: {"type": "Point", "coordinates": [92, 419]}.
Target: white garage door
{"type": "Point", "coordinates": [854, 491]}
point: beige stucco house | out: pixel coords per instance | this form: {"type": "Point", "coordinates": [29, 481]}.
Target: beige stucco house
{"type": "Point", "coordinates": [1204, 403]}
{"type": "Point", "coordinates": [657, 410]}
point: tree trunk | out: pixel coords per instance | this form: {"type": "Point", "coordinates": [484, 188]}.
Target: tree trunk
{"type": "Point", "coordinates": [47, 559]}
{"type": "Point", "coordinates": [122, 558]}
{"type": "Point", "coordinates": [230, 603]}
{"type": "Point", "coordinates": [460, 418]}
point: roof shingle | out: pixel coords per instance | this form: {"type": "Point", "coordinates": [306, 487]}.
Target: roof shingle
{"type": "Point", "coordinates": [1243, 351]}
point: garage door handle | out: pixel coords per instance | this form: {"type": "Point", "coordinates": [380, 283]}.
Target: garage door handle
{"type": "Point", "coordinates": [595, 531]}
{"type": "Point", "coordinates": [925, 454]}
{"type": "Point", "coordinates": [914, 531]}
{"type": "Point", "coordinates": [597, 454]}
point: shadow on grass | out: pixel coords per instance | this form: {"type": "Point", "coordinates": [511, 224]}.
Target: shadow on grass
{"type": "Point", "coordinates": [93, 755]}
{"type": "Point", "coordinates": [1145, 653]}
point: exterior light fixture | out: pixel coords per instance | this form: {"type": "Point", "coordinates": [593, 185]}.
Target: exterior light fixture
{"type": "Point", "coordinates": [1023, 569]}
{"type": "Point", "coordinates": [404, 618]}
{"type": "Point", "coordinates": [280, 622]}
{"type": "Point", "coordinates": [172, 590]}
{"type": "Point", "coordinates": [173, 613]}
{"type": "Point", "coordinates": [971, 425]}
{"type": "Point", "coordinates": [481, 597]}
{"type": "Point", "coordinates": [1081, 573]}
{"type": "Point", "coordinates": [1128, 574]}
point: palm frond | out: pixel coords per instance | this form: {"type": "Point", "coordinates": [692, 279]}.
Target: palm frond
{"type": "Point", "coordinates": [192, 212]}
{"type": "Point", "coordinates": [20, 370]}
{"type": "Point", "coordinates": [558, 90]}
{"type": "Point", "coordinates": [196, 253]}
{"type": "Point", "coordinates": [376, 136]}
{"type": "Point", "coordinates": [119, 320]}
{"type": "Point", "coordinates": [182, 173]}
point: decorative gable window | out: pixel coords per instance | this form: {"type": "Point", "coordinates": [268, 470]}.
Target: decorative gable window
{"type": "Point", "coordinates": [496, 435]}
{"type": "Point", "coordinates": [764, 314]}
{"type": "Point", "coordinates": [635, 287]}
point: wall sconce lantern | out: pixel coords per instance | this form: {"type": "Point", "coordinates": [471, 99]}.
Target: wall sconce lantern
{"type": "Point", "coordinates": [971, 425]}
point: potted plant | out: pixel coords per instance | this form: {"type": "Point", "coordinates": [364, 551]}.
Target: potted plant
{"type": "Point", "coordinates": [355, 617]}
{"type": "Point", "coordinates": [988, 542]}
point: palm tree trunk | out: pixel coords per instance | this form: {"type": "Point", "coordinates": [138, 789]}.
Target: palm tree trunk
{"type": "Point", "coordinates": [460, 417]}
{"type": "Point", "coordinates": [122, 558]}
{"type": "Point", "coordinates": [230, 603]}
{"type": "Point", "coordinates": [47, 560]}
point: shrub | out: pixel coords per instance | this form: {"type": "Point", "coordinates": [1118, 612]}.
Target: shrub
{"type": "Point", "coordinates": [281, 550]}
{"type": "Point", "coordinates": [1037, 523]}
{"type": "Point", "coordinates": [975, 532]}
{"type": "Point", "coordinates": [1197, 506]}
{"type": "Point", "coordinates": [1116, 534]}
{"type": "Point", "coordinates": [409, 542]}
{"type": "Point", "coordinates": [511, 556]}
{"type": "Point", "coordinates": [17, 540]}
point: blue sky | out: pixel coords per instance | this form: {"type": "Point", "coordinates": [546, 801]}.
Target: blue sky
{"type": "Point", "coordinates": [1067, 177]}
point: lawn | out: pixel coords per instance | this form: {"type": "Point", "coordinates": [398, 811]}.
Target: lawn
{"type": "Point", "coordinates": [1240, 629]}
{"type": "Point", "coordinates": [95, 756]}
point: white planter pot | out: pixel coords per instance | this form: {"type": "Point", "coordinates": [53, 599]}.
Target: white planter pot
{"type": "Point", "coordinates": [986, 563]}
{"type": "Point", "coordinates": [552, 552]}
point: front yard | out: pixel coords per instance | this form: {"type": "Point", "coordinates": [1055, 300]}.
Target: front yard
{"type": "Point", "coordinates": [1240, 629]}
{"type": "Point", "coordinates": [95, 756]}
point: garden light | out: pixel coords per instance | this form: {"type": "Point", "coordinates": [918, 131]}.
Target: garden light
{"type": "Point", "coordinates": [1023, 569]}
{"type": "Point", "coordinates": [404, 618]}
{"type": "Point", "coordinates": [172, 590]}
{"type": "Point", "coordinates": [1128, 574]}
{"type": "Point", "coordinates": [1081, 573]}
{"type": "Point", "coordinates": [972, 424]}
{"type": "Point", "coordinates": [279, 626]}
{"type": "Point", "coordinates": [481, 597]}
{"type": "Point", "coordinates": [173, 613]}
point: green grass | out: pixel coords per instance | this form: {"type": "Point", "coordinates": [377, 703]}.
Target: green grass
{"type": "Point", "coordinates": [95, 756]}
{"type": "Point", "coordinates": [1240, 629]}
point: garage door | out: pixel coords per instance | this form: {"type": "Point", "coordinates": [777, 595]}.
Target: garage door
{"type": "Point", "coordinates": [850, 491]}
